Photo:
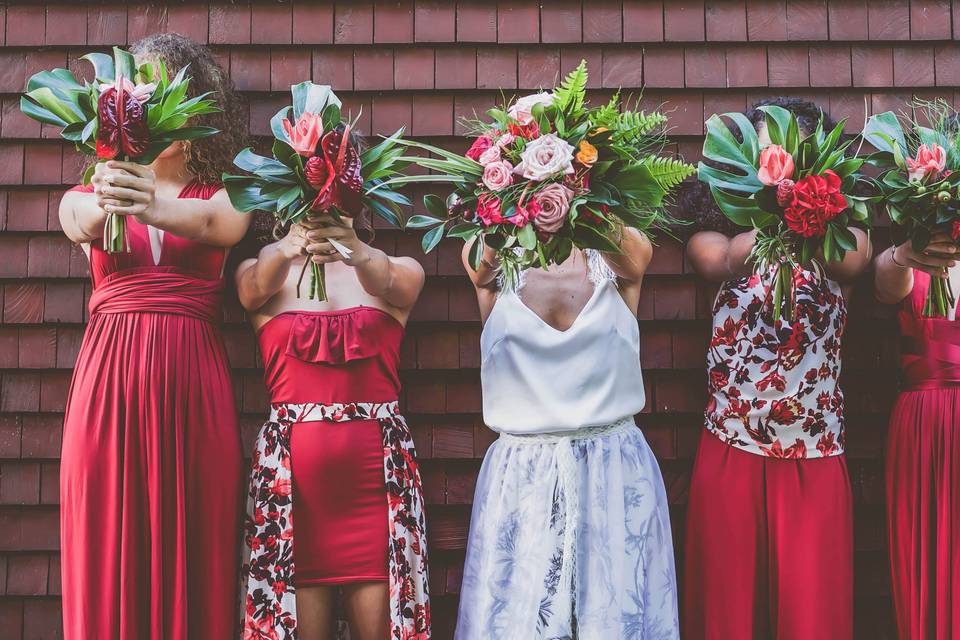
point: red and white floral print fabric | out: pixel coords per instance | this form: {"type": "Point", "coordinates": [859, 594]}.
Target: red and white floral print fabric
{"type": "Point", "coordinates": [270, 603]}
{"type": "Point", "coordinates": [774, 384]}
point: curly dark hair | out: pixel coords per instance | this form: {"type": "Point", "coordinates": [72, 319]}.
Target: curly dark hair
{"type": "Point", "coordinates": [694, 201]}
{"type": "Point", "coordinates": [207, 158]}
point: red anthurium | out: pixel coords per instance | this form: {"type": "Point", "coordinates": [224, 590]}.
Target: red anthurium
{"type": "Point", "coordinates": [344, 182]}
{"type": "Point", "coordinates": [122, 127]}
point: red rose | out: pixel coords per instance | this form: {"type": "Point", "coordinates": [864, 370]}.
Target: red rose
{"type": "Point", "coordinates": [525, 213]}
{"type": "Point", "coordinates": [488, 210]}
{"type": "Point", "coordinates": [816, 200]}
{"type": "Point", "coordinates": [526, 131]}
{"type": "Point", "coordinates": [479, 145]}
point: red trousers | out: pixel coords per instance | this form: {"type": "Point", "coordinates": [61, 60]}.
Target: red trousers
{"type": "Point", "coordinates": [769, 551]}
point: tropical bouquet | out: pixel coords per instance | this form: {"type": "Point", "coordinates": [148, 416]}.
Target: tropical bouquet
{"type": "Point", "coordinates": [920, 183]}
{"type": "Point", "coordinates": [128, 112]}
{"type": "Point", "coordinates": [798, 193]}
{"type": "Point", "coordinates": [548, 174]}
{"type": "Point", "coordinates": [318, 168]}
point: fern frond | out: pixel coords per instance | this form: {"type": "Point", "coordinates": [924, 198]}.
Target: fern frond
{"type": "Point", "coordinates": [634, 124]}
{"type": "Point", "coordinates": [570, 94]}
{"type": "Point", "coordinates": [669, 172]}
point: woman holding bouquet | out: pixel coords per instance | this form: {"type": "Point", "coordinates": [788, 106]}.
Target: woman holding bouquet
{"type": "Point", "coordinates": [769, 525]}
{"type": "Point", "coordinates": [923, 447]}
{"type": "Point", "coordinates": [335, 451]}
{"type": "Point", "coordinates": [150, 480]}
{"type": "Point", "coordinates": [570, 534]}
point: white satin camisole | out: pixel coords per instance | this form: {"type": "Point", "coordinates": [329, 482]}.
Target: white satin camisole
{"type": "Point", "coordinates": [537, 379]}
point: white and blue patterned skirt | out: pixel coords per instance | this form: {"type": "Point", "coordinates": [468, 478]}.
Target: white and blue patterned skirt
{"type": "Point", "coordinates": [570, 538]}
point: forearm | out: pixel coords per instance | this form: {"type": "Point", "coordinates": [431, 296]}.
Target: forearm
{"type": "Point", "coordinates": [81, 217]}
{"type": "Point", "coordinates": [260, 282]}
{"type": "Point", "coordinates": [384, 277]}
{"type": "Point", "coordinates": [190, 218]}
{"type": "Point", "coordinates": [892, 282]}
{"type": "Point", "coordinates": [630, 263]}
{"type": "Point", "coordinates": [485, 276]}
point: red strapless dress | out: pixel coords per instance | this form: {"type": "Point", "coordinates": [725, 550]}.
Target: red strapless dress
{"type": "Point", "coordinates": [151, 471]}
{"type": "Point", "coordinates": [923, 475]}
{"type": "Point", "coordinates": [337, 453]}
{"type": "Point", "coordinates": [338, 495]}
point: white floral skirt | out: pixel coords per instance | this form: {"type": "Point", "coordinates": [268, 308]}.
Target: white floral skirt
{"type": "Point", "coordinates": [570, 538]}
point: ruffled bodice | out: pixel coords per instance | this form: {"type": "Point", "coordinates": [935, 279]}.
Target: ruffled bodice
{"type": "Point", "coordinates": [348, 355]}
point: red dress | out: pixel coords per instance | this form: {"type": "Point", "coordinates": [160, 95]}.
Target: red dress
{"type": "Point", "coordinates": [151, 471]}
{"type": "Point", "coordinates": [923, 474]}
{"type": "Point", "coordinates": [337, 454]}
{"type": "Point", "coordinates": [335, 357]}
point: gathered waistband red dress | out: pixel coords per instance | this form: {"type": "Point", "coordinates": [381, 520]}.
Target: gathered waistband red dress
{"type": "Point", "coordinates": [923, 474]}
{"type": "Point", "coordinates": [151, 475]}
{"type": "Point", "coordinates": [336, 453]}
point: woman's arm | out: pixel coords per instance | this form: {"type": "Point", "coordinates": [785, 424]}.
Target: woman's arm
{"type": "Point", "coordinates": [893, 276]}
{"type": "Point", "coordinates": [718, 258]}
{"type": "Point", "coordinates": [854, 262]}
{"type": "Point", "coordinates": [631, 263]}
{"type": "Point", "coordinates": [398, 281]}
{"type": "Point", "coordinates": [81, 214]}
{"type": "Point", "coordinates": [485, 276]}
{"type": "Point", "coordinates": [261, 278]}
{"type": "Point", "coordinates": [214, 221]}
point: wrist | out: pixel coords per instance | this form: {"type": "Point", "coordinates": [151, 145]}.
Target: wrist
{"type": "Point", "coordinates": [362, 255]}
{"type": "Point", "coordinates": [149, 215]}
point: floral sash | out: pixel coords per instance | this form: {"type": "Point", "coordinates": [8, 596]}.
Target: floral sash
{"type": "Point", "coordinates": [270, 611]}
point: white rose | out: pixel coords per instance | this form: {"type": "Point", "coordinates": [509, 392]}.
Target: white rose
{"type": "Point", "coordinates": [545, 157]}
{"type": "Point", "coordinates": [522, 109]}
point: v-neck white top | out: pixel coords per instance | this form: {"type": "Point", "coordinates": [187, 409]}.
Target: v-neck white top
{"type": "Point", "coordinates": [538, 379]}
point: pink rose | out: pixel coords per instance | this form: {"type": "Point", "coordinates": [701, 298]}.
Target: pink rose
{"type": "Point", "coordinates": [498, 175]}
{"type": "Point", "coordinates": [554, 201]}
{"type": "Point", "coordinates": [490, 156]}
{"type": "Point", "coordinates": [522, 109]}
{"type": "Point", "coordinates": [506, 140]}
{"type": "Point", "coordinates": [305, 134]}
{"type": "Point", "coordinates": [479, 145]}
{"type": "Point", "coordinates": [776, 165]}
{"type": "Point", "coordinates": [930, 161]}
{"type": "Point", "coordinates": [525, 213]}
{"type": "Point", "coordinates": [488, 210]}
{"type": "Point", "coordinates": [546, 157]}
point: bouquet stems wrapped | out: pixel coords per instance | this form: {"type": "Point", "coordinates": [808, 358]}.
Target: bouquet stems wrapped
{"type": "Point", "coordinates": [797, 192]}
{"type": "Point", "coordinates": [920, 184]}
{"type": "Point", "coordinates": [549, 173]}
{"type": "Point", "coordinates": [317, 168]}
{"type": "Point", "coordinates": [128, 112]}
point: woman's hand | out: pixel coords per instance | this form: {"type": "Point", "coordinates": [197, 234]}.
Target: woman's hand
{"type": "Point", "coordinates": [935, 259]}
{"type": "Point", "coordinates": [127, 189]}
{"type": "Point", "coordinates": [323, 231]}
{"type": "Point", "coordinates": [294, 244]}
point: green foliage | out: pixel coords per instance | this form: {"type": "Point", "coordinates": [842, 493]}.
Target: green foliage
{"type": "Point", "coordinates": [570, 95]}
{"type": "Point", "coordinates": [669, 172]}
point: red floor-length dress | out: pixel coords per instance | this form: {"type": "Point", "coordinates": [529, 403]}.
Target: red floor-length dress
{"type": "Point", "coordinates": [923, 475]}
{"type": "Point", "coordinates": [151, 472]}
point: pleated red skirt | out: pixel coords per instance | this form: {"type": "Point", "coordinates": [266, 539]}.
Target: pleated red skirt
{"type": "Point", "coordinates": [923, 506]}
{"type": "Point", "coordinates": [769, 547]}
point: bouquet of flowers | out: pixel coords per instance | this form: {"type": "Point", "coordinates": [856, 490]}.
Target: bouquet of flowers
{"type": "Point", "coordinates": [797, 192]}
{"type": "Point", "coordinates": [317, 168]}
{"type": "Point", "coordinates": [920, 184]}
{"type": "Point", "coordinates": [550, 173]}
{"type": "Point", "coordinates": [128, 112]}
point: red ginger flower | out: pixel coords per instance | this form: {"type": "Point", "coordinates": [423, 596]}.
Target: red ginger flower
{"type": "Point", "coordinates": [122, 127]}
{"type": "Point", "coordinates": [815, 201]}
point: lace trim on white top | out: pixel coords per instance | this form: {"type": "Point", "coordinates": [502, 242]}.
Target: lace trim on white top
{"type": "Point", "coordinates": [598, 271]}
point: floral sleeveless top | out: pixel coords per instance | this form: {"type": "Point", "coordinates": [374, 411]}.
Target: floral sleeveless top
{"type": "Point", "coordinates": [774, 387]}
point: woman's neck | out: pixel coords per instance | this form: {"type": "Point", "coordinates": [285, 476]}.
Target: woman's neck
{"type": "Point", "coordinates": [171, 170]}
